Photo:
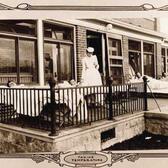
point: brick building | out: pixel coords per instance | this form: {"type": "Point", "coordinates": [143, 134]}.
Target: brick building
{"type": "Point", "coordinates": [23, 44]}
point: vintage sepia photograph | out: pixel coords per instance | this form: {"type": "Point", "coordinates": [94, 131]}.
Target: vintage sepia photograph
{"type": "Point", "coordinates": [83, 91]}
{"type": "Point", "coordinates": [83, 84]}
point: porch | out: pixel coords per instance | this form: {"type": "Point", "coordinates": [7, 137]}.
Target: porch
{"type": "Point", "coordinates": [54, 109]}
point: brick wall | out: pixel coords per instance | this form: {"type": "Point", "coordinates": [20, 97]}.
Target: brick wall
{"type": "Point", "coordinates": [81, 45]}
{"type": "Point", "coordinates": [158, 60]}
{"type": "Point", "coordinates": [125, 55]}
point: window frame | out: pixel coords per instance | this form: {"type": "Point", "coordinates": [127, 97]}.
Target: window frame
{"type": "Point", "coordinates": [117, 67]}
{"type": "Point", "coordinates": [17, 37]}
{"type": "Point", "coordinates": [59, 42]}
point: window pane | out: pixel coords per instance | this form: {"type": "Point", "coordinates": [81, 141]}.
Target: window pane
{"type": "Point", "coordinates": [65, 63]}
{"type": "Point", "coordinates": [27, 27]}
{"type": "Point", "coordinates": [57, 32]}
{"type": "Point", "coordinates": [149, 65]}
{"type": "Point", "coordinates": [148, 47]}
{"type": "Point", "coordinates": [50, 60]}
{"type": "Point", "coordinates": [7, 60]}
{"type": "Point", "coordinates": [61, 61]}
{"type": "Point", "coordinates": [27, 61]}
{"type": "Point", "coordinates": [114, 47]}
{"type": "Point", "coordinates": [134, 45]}
{"type": "Point", "coordinates": [163, 52]}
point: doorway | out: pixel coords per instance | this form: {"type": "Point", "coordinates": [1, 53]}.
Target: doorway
{"type": "Point", "coordinates": [94, 40]}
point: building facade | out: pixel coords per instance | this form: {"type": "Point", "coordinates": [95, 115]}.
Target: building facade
{"type": "Point", "coordinates": [118, 44]}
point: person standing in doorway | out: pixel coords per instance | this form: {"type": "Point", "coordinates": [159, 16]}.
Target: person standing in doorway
{"type": "Point", "coordinates": [90, 69]}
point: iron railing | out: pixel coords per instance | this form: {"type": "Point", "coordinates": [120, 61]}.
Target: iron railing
{"type": "Point", "coordinates": [55, 108]}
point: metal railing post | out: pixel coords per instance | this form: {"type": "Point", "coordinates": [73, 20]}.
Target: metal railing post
{"type": "Point", "coordinates": [54, 128]}
{"type": "Point", "coordinates": [110, 80]}
{"type": "Point", "coordinates": [145, 94]}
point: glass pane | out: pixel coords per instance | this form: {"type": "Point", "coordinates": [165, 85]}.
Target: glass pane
{"type": "Point", "coordinates": [134, 45]}
{"type": "Point", "coordinates": [148, 47]}
{"type": "Point", "coordinates": [149, 65]}
{"type": "Point", "coordinates": [27, 61]}
{"type": "Point", "coordinates": [58, 62]}
{"type": "Point", "coordinates": [7, 60]}
{"type": "Point", "coordinates": [50, 60]}
{"type": "Point", "coordinates": [135, 61]}
{"type": "Point", "coordinates": [27, 27]}
{"type": "Point", "coordinates": [163, 51]}
{"type": "Point", "coordinates": [114, 47]}
{"type": "Point", "coordinates": [58, 32]}
{"type": "Point", "coordinates": [163, 63]}
{"type": "Point", "coordinates": [114, 44]}
{"type": "Point", "coordinates": [114, 52]}
{"type": "Point", "coordinates": [65, 63]}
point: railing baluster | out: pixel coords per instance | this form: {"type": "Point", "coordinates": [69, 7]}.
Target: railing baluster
{"type": "Point", "coordinates": [30, 98]}
{"type": "Point", "coordinates": [110, 100]}
{"type": "Point", "coordinates": [78, 115]}
{"type": "Point", "coordinates": [72, 97]}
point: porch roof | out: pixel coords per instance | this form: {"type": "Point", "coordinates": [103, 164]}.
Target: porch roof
{"type": "Point", "coordinates": [100, 25]}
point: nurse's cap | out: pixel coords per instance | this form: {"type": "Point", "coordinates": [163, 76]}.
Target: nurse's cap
{"type": "Point", "coordinates": [90, 49]}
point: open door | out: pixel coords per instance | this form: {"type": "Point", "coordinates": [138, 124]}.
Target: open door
{"type": "Point", "coordinates": [97, 41]}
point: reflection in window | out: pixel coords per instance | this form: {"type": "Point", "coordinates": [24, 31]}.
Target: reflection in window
{"type": "Point", "coordinates": [61, 56]}
{"type": "Point", "coordinates": [27, 27]}
{"type": "Point", "coordinates": [114, 47]}
{"type": "Point", "coordinates": [27, 62]}
{"type": "Point", "coordinates": [134, 52]}
{"type": "Point", "coordinates": [50, 57]}
{"type": "Point", "coordinates": [65, 64]}
{"type": "Point", "coordinates": [134, 45]}
{"type": "Point", "coordinates": [57, 32]}
{"type": "Point", "coordinates": [148, 59]}
{"type": "Point", "coordinates": [148, 47]}
{"type": "Point", "coordinates": [7, 60]}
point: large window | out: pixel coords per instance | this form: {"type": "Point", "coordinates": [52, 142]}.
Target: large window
{"type": "Point", "coordinates": [27, 62]}
{"type": "Point", "coordinates": [18, 56]}
{"type": "Point", "coordinates": [58, 51]}
{"type": "Point", "coordinates": [148, 59]}
{"type": "Point", "coordinates": [134, 51]}
{"type": "Point", "coordinates": [7, 60]}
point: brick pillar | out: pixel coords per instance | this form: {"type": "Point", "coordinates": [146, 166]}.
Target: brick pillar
{"type": "Point", "coordinates": [158, 60]}
{"type": "Point", "coordinates": [125, 56]}
{"type": "Point", "coordinates": [81, 45]}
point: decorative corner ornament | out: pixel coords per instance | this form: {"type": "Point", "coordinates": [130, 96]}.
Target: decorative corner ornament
{"type": "Point", "coordinates": [143, 7]}
{"type": "Point", "coordinates": [116, 157]}
{"type": "Point", "coordinates": [38, 158]}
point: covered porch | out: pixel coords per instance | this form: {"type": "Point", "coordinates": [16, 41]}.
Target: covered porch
{"type": "Point", "coordinates": [53, 108]}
